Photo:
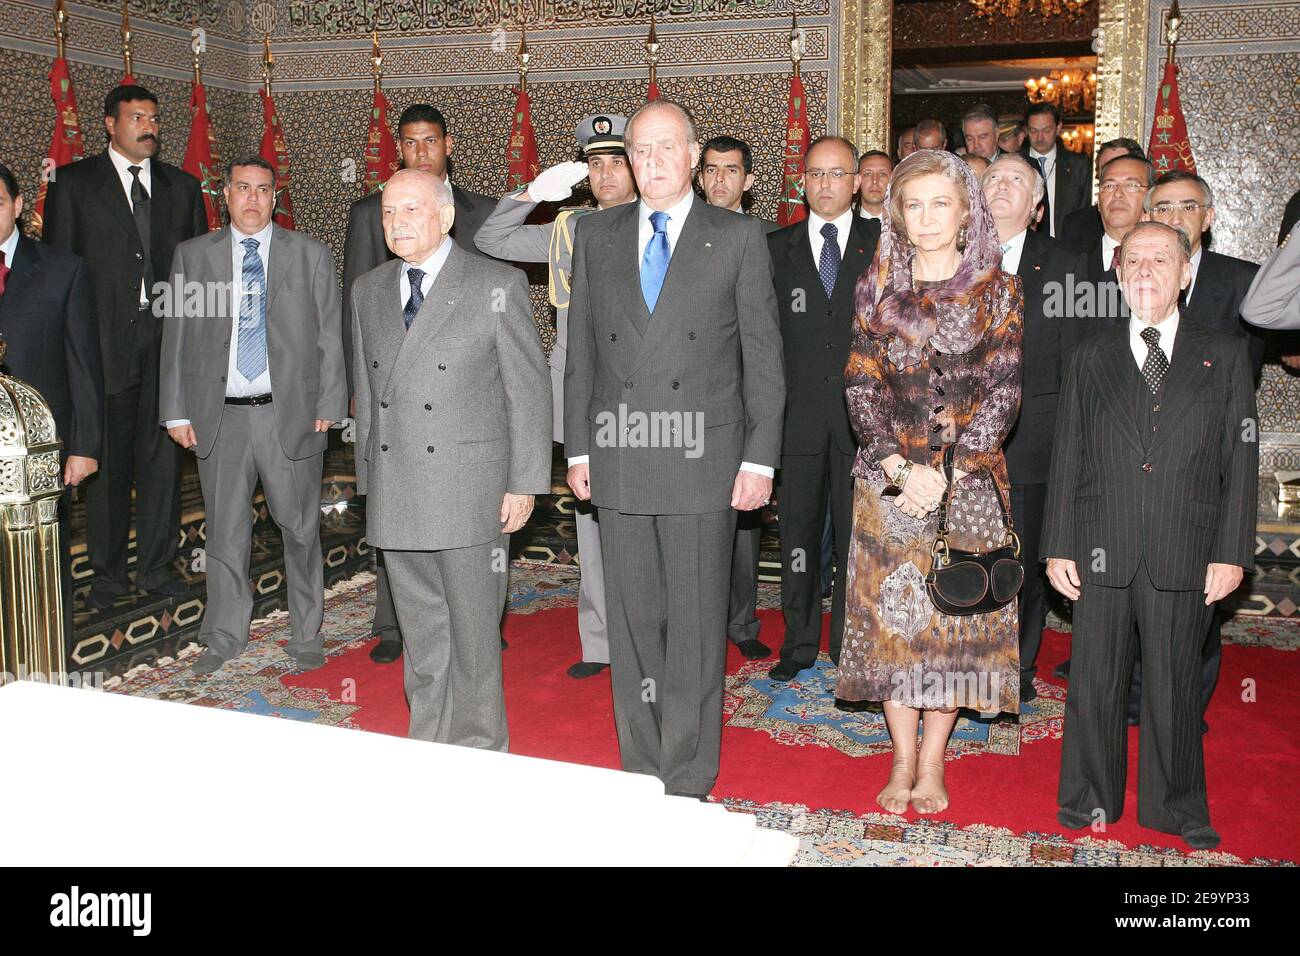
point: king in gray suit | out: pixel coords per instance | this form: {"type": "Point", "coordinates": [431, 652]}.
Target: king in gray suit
{"type": "Point", "coordinates": [673, 397]}
{"type": "Point", "coordinates": [251, 378]}
{"type": "Point", "coordinates": [453, 412]}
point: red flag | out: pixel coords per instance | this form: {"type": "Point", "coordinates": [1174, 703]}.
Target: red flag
{"type": "Point", "coordinates": [791, 209]}
{"type": "Point", "coordinates": [652, 93]}
{"type": "Point", "coordinates": [128, 80]}
{"type": "Point", "coordinates": [201, 157]}
{"type": "Point", "coordinates": [275, 152]}
{"type": "Point", "coordinates": [1170, 148]}
{"type": "Point", "coordinates": [521, 154]}
{"type": "Point", "coordinates": [66, 145]}
{"type": "Point", "coordinates": [381, 148]}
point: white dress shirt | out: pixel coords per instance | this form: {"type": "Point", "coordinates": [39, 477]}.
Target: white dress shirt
{"type": "Point", "coordinates": [123, 167]}
{"type": "Point", "coordinates": [842, 223]}
{"type": "Point", "coordinates": [236, 385]}
{"type": "Point", "coordinates": [1108, 247]}
{"type": "Point", "coordinates": [863, 214]}
{"type": "Point", "coordinates": [1015, 247]}
{"type": "Point", "coordinates": [1196, 265]}
{"type": "Point", "coordinates": [430, 267]}
{"type": "Point", "coordinates": [1167, 328]}
{"type": "Point", "coordinates": [645, 231]}
{"type": "Point", "coordinates": [1049, 171]}
{"type": "Point", "coordinates": [9, 247]}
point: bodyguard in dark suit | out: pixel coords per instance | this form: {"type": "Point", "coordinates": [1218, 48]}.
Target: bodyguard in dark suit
{"type": "Point", "coordinates": [47, 323]}
{"type": "Point", "coordinates": [424, 143]}
{"type": "Point", "coordinates": [1124, 183]}
{"type": "Point", "coordinates": [252, 381]}
{"type": "Point", "coordinates": [725, 178]}
{"type": "Point", "coordinates": [673, 395]}
{"type": "Point", "coordinates": [1082, 228]}
{"type": "Point", "coordinates": [1068, 175]}
{"type": "Point", "coordinates": [123, 211]}
{"type": "Point", "coordinates": [1150, 520]}
{"type": "Point", "coordinates": [1013, 190]}
{"type": "Point", "coordinates": [816, 264]}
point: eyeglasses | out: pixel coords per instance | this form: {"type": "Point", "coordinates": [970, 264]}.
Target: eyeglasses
{"type": "Point", "coordinates": [1187, 205]}
{"type": "Point", "coordinates": [817, 175]}
{"type": "Point", "coordinates": [1130, 186]}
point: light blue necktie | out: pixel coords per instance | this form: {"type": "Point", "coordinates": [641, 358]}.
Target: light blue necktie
{"type": "Point", "coordinates": [654, 264]}
{"type": "Point", "coordinates": [250, 358]}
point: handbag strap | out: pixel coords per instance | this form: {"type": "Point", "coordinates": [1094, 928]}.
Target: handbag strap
{"type": "Point", "coordinates": [948, 452]}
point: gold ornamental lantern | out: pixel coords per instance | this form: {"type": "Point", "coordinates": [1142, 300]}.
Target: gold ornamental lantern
{"type": "Point", "coordinates": [31, 587]}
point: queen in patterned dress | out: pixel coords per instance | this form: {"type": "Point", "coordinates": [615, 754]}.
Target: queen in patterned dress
{"type": "Point", "coordinates": [935, 361]}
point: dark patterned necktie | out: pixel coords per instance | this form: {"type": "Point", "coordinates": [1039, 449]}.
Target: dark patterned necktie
{"type": "Point", "coordinates": [140, 212]}
{"type": "Point", "coordinates": [1047, 194]}
{"type": "Point", "coordinates": [1157, 363]}
{"type": "Point", "coordinates": [417, 296]}
{"type": "Point", "coordinates": [828, 265]}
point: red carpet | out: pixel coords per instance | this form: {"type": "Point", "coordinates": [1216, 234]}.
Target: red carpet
{"type": "Point", "coordinates": [1252, 753]}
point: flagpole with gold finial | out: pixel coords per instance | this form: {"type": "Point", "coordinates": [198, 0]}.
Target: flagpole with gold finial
{"type": "Point", "coordinates": [376, 61]}
{"type": "Point", "coordinates": [524, 56]}
{"type": "Point", "coordinates": [268, 62]}
{"type": "Point", "coordinates": [1171, 30]}
{"type": "Point", "coordinates": [796, 42]}
{"type": "Point", "coordinates": [652, 48]}
{"type": "Point", "coordinates": [60, 18]}
{"type": "Point", "coordinates": [194, 50]}
{"type": "Point", "coordinates": [126, 39]}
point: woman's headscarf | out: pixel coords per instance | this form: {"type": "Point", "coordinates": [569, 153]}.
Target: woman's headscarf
{"type": "Point", "coordinates": [945, 316]}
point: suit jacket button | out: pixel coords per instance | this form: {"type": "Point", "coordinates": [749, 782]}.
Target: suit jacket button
{"type": "Point", "coordinates": [139, 255]}
{"type": "Point", "coordinates": [675, 385]}
{"type": "Point", "coordinates": [613, 336]}
{"type": "Point", "coordinates": [383, 448]}
{"type": "Point", "coordinates": [1146, 466]}
{"type": "Point", "coordinates": [627, 384]}
{"type": "Point", "coordinates": [442, 367]}
{"type": "Point", "coordinates": [383, 404]}
{"type": "Point", "coordinates": [691, 336]}
{"type": "Point", "coordinates": [226, 344]}
{"type": "Point", "coordinates": [374, 365]}
{"type": "Point", "coordinates": [428, 407]}
{"type": "Point", "coordinates": [430, 448]}
{"type": "Point", "coordinates": [223, 378]}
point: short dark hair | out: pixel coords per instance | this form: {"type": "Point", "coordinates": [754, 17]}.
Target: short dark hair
{"type": "Point", "coordinates": [876, 152]}
{"type": "Point", "coordinates": [127, 93]}
{"type": "Point", "coordinates": [252, 160]}
{"type": "Point", "coordinates": [834, 139]}
{"type": "Point", "coordinates": [1123, 142]}
{"type": "Point", "coordinates": [980, 111]}
{"type": "Point", "coordinates": [1151, 170]}
{"type": "Point", "coordinates": [1039, 109]}
{"type": "Point", "coordinates": [729, 144]}
{"type": "Point", "coordinates": [1180, 176]}
{"type": "Point", "coordinates": [10, 181]}
{"type": "Point", "coordinates": [422, 113]}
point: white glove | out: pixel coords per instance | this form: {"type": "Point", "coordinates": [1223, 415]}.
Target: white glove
{"type": "Point", "coordinates": [556, 183]}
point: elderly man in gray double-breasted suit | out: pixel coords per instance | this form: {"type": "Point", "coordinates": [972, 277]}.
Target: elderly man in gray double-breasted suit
{"type": "Point", "coordinates": [673, 399]}
{"type": "Point", "coordinates": [453, 412]}
{"type": "Point", "coordinates": [251, 378]}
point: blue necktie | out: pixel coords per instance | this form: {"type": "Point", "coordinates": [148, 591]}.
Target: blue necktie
{"type": "Point", "coordinates": [828, 266]}
{"type": "Point", "coordinates": [250, 355]}
{"type": "Point", "coordinates": [654, 264]}
{"type": "Point", "coordinates": [417, 296]}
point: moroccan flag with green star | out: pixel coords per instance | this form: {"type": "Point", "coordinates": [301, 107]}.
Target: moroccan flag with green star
{"type": "Point", "coordinates": [276, 152]}
{"type": "Point", "coordinates": [1170, 148]}
{"type": "Point", "coordinates": [381, 149]}
{"type": "Point", "coordinates": [202, 160]}
{"type": "Point", "coordinates": [66, 145]}
{"type": "Point", "coordinates": [791, 208]}
{"type": "Point", "coordinates": [521, 151]}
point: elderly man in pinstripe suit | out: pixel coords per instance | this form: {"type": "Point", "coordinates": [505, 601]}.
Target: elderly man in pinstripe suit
{"type": "Point", "coordinates": [1150, 518]}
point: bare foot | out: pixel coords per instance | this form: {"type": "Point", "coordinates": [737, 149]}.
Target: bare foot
{"type": "Point", "coordinates": [893, 799]}
{"type": "Point", "coordinates": [929, 795]}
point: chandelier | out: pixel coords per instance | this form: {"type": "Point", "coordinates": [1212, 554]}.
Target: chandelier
{"type": "Point", "coordinates": [1071, 91]}
{"type": "Point", "coordinates": [1013, 8]}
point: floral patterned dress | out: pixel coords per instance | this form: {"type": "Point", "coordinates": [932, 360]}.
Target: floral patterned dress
{"type": "Point", "coordinates": [897, 645]}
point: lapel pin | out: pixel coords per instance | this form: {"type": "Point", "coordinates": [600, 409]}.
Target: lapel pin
{"type": "Point", "coordinates": [708, 245]}
{"type": "Point", "coordinates": [1207, 363]}
{"type": "Point", "coordinates": [1037, 267]}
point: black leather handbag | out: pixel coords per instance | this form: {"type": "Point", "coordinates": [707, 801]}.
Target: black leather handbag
{"type": "Point", "coordinates": [972, 582]}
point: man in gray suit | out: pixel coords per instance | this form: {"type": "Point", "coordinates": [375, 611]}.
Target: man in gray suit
{"type": "Point", "coordinates": [424, 142]}
{"type": "Point", "coordinates": [453, 417]}
{"type": "Point", "coordinates": [1273, 301]}
{"type": "Point", "coordinates": [673, 395]}
{"type": "Point", "coordinates": [506, 235]}
{"type": "Point", "coordinates": [252, 378]}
